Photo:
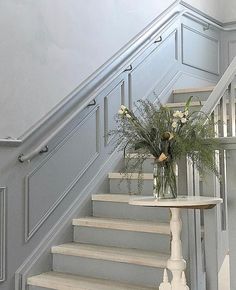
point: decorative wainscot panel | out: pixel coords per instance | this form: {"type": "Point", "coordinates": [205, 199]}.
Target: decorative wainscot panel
{"type": "Point", "coordinates": [152, 67]}
{"type": "Point", "coordinates": [2, 233]}
{"type": "Point", "coordinates": [200, 49]}
{"type": "Point", "coordinates": [231, 50]}
{"type": "Point", "coordinates": [112, 101]}
{"type": "Point", "coordinates": [48, 184]}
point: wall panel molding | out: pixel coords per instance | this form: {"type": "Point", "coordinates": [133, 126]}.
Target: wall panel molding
{"type": "Point", "coordinates": [57, 168]}
{"type": "Point", "coordinates": [112, 102]}
{"type": "Point", "coordinates": [2, 234]}
{"type": "Point", "coordinates": [157, 63]}
{"type": "Point", "coordinates": [231, 50]}
{"type": "Point", "coordinates": [203, 53]}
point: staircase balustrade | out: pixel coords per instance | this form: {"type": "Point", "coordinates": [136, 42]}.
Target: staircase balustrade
{"type": "Point", "coordinates": [211, 228]}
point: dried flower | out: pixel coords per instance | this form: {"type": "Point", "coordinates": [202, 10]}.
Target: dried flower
{"type": "Point", "coordinates": [162, 157]}
{"type": "Point", "coordinates": [167, 136]}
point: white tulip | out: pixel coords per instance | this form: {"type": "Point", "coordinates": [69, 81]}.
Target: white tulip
{"type": "Point", "coordinates": [128, 116]}
{"type": "Point", "coordinates": [183, 120]}
{"type": "Point", "coordinates": [123, 108]}
{"type": "Point", "coordinates": [120, 112]}
{"type": "Point", "coordinates": [186, 113]}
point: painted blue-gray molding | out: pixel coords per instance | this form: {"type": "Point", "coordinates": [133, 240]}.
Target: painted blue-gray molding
{"type": "Point", "coordinates": [2, 234]}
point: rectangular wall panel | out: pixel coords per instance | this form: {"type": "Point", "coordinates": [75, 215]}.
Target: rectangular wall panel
{"type": "Point", "coordinates": [232, 50]}
{"type": "Point", "coordinates": [112, 102]}
{"type": "Point", "coordinates": [153, 68]}
{"type": "Point", "coordinates": [200, 50]}
{"type": "Point", "coordinates": [2, 233]}
{"type": "Point", "coordinates": [50, 182]}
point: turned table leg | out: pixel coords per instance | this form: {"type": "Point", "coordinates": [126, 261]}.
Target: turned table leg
{"type": "Point", "coordinates": [176, 264]}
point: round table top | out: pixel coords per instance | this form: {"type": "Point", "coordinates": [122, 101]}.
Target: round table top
{"type": "Point", "coordinates": [195, 202]}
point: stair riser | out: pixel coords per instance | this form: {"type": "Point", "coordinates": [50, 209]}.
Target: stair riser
{"type": "Point", "coordinates": [147, 165]}
{"type": "Point", "coordinates": [191, 110]}
{"type": "Point", "coordinates": [202, 96]}
{"type": "Point", "coordinates": [122, 272]}
{"type": "Point", "coordinates": [124, 210]}
{"type": "Point", "coordinates": [121, 186]}
{"type": "Point", "coordinates": [37, 288]}
{"type": "Point", "coordinates": [124, 239]}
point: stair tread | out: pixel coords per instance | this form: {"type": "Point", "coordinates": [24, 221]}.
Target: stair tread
{"type": "Point", "coordinates": [193, 90]}
{"type": "Point", "coordinates": [182, 104]}
{"type": "Point", "coordinates": [116, 197]}
{"type": "Point", "coordinates": [124, 224]}
{"type": "Point", "coordinates": [115, 254]}
{"type": "Point", "coordinates": [134, 175]}
{"type": "Point", "coordinates": [61, 281]}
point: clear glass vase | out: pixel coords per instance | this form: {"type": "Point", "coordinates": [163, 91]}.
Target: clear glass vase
{"type": "Point", "coordinates": [164, 180]}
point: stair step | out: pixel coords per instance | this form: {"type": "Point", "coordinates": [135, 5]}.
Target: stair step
{"type": "Point", "coordinates": [129, 183]}
{"type": "Point", "coordinates": [198, 94]}
{"type": "Point", "coordinates": [182, 104]}
{"type": "Point", "coordinates": [61, 281]}
{"type": "Point", "coordinates": [193, 90]}
{"type": "Point", "coordinates": [135, 155]}
{"type": "Point", "coordinates": [124, 198]}
{"type": "Point", "coordinates": [122, 255]}
{"type": "Point", "coordinates": [124, 224]}
{"type": "Point", "coordinates": [116, 175]}
{"type": "Point", "coordinates": [116, 206]}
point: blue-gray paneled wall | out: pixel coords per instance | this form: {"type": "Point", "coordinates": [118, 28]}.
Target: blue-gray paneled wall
{"type": "Point", "coordinates": [42, 196]}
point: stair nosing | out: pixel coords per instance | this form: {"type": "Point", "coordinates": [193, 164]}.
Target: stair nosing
{"type": "Point", "coordinates": [109, 197]}
{"type": "Point", "coordinates": [193, 90]}
{"type": "Point", "coordinates": [113, 254]}
{"type": "Point", "coordinates": [182, 104]}
{"type": "Point", "coordinates": [124, 224]}
{"type": "Point", "coordinates": [133, 176]}
{"type": "Point", "coordinates": [71, 280]}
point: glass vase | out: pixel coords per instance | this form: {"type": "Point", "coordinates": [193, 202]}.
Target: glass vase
{"type": "Point", "coordinates": [164, 180]}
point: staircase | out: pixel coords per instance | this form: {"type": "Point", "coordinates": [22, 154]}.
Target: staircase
{"type": "Point", "coordinates": [120, 246]}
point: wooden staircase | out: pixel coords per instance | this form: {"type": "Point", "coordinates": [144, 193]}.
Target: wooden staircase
{"type": "Point", "coordinates": [120, 246]}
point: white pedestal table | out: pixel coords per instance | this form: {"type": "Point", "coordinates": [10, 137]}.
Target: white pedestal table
{"type": "Point", "coordinates": [176, 264]}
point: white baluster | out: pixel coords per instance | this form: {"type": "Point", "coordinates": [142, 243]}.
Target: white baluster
{"type": "Point", "coordinates": [232, 116]}
{"type": "Point", "coordinates": [183, 280]}
{"type": "Point", "coordinates": [165, 285]}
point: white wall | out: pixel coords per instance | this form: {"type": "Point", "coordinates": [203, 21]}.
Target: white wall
{"type": "Point", "coordinates": [48, 48]}
{"type": "Point", "coordinates": [222, 10]}
{"type": "Point", "coordinates": [229, 10]}
{"type": "Point", "coordinates": [209, 7]}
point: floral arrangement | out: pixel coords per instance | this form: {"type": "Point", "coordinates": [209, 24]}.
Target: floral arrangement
{"type": "Point", "coordinates": [167, 135]}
